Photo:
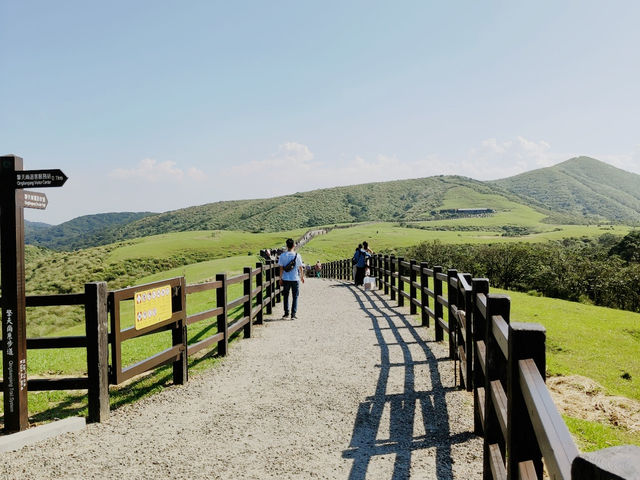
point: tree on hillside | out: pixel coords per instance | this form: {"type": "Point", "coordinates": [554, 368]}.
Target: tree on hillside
{"type": "Point", "coordinates": [628, 248]}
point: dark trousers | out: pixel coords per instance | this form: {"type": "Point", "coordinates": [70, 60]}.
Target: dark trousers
{"type": "Point", "coordinates": [360, 271]}
{"type": "Point", "coordinates": [294, 287]}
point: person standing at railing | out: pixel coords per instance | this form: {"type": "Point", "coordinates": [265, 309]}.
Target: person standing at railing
{"type": "Point", "coordinates": [291, 273]}
{"type": "Point", "coordinates": [361, 258]}
{"type": "Point", "coordinates": [354, 261]}
{"type": "Point", "coordinates": [318, 268]}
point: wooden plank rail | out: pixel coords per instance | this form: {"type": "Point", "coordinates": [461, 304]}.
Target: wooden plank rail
{"type": "Point", "coordinates": [503, 364]}
{"type": "Point", "coordinates": [55, 300]}
{"type": "Point", "coordinates": [95, 341]}
{"type": "Point", "coordinates": [261, 290]}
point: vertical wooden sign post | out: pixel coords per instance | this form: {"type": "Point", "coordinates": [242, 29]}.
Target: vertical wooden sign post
{"type": "Point", "coordinates": [14, 321]}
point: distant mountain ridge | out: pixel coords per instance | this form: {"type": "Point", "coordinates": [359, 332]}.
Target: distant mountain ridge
{"type": "Point", "coordinates": [579, 190]}
{"type": "Point", "coordinates": [406, 200]}
{"type": "Point", "coordinates": [582, 187]}
{"type": "Point", "coordinates": [80, 232]}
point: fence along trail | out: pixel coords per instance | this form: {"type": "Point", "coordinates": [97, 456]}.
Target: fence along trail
{"type": "Point", "coordinates": [350, 390]}
{"type": "Point", "coordinates": [503, 364]}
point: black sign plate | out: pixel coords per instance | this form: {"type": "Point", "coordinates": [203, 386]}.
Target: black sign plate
{"type": "Point", "coordinates": [40, 178]}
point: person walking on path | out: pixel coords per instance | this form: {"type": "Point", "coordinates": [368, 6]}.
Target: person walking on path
{"type": "Point", "coordinates": [361, 257]}
{"type": "Point", "coordinates": [318, 268]}
{"type": "Point", "coordinates": [291, 272]}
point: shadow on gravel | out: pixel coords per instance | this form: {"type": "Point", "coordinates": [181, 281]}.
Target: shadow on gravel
{"type": "Point", "coordinates": [401, 442]}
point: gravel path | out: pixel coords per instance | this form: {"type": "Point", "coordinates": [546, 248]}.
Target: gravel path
{"type": "Point", "coordinates": [349, 390]}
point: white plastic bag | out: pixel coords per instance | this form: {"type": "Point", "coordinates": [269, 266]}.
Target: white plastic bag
{"type": "Point", "coordinates": [369, 283]}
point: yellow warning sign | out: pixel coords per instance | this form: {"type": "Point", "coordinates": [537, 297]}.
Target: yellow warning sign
{"type": "Point", "coordinates": [152, 306]}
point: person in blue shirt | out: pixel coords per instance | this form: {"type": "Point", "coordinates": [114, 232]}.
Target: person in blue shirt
{"type": "Point", "coordinates": [291, 280]}
{"type": "Point", "coordinates": [361, 257]}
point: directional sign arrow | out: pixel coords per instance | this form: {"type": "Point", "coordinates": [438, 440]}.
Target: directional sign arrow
{"type": "Point", "coordinates": [39, 178]}
{"type": "Point", "coordinates": [35, 200]}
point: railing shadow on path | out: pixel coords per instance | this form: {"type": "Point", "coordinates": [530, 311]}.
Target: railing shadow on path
{"type": "Point", "coordinates": [402, 442]}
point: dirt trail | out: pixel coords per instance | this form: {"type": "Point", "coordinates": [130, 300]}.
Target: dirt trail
{"type": "Point", "coordinates": [348, 390]}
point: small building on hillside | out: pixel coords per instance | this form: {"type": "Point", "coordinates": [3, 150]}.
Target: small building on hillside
{"type": "Point", "coordinates": [474, 211]}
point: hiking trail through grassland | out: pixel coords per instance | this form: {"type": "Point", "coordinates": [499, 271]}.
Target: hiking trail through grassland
{"type": "Point", "coordinates": [350, 389]}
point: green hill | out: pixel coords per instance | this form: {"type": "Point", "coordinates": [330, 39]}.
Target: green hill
{"type": "Point", "coordinates": [400, 200]}
{"type": "Point", "coordinates": [579, 191]}
{"type": "Point", "coordinates": [582, 187]}
{"type": "Point", "coordinates": [81, 232]}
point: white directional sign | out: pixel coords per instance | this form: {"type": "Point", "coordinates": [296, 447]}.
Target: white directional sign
{"type": "Point", "coordinates": [35, 200]}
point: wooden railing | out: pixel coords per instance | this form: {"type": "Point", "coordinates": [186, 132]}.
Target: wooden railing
{"type": "Point", "coordinates": [104, 332]}
{"type": "Point", "coordinates": [94, 301]}
{"type": "Point", "coordinates": [503, 363]}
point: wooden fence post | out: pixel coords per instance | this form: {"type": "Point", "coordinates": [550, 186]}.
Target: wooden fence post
{"type": "Point", "coordinates": [372, 266]}
{"type": "Point", "coordinates": [424, 297]}
{"type": "Point", "coordinates": [246, 289]}
{"type": "Point", "coordinates": [269, 286]}
{"type": "Point", "coordinates": [386, 274]}
{"type": "Point", "coordinates": [400, 283]}
{"type": "Point", "coordinates": [221, 301]}
{"type": "Point", "coordinates": [526, 340]}
{"type": "Point", "coordinates": [469, 344]}
{"type": "Point", "coordinates": [437, 306]}
{"type": "Point", "coordinates": [277, 281]}
{"type": "Point", "coordinates": [495, 370]}
{"type": "Point", "coordinates": [179, 337]}
{"type": "Point", "coordinates": [412, 289]}
{"type": "Point", "coordinates": [97, 328]}
{"type": "Point", "coordinates": [380, 271]}
{"type": "Point", "coordinates": [259, 296]}
{"type": "Point", "coordinates": [478, 285]}
{"type": "Point", "coordinates": [452, 296]}
{"type": "Point", "coordinates": [392, 279]}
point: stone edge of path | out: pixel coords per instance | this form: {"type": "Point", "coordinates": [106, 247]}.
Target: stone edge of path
{"type": "Point", "coordinates": [16, 441]}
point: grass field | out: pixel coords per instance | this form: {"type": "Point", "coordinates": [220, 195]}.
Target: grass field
{"type": "Point", "coordinates": [586, 340]}
{"type": "Point", "coordinates": [387, 237]}
{"type": "Point", "coordinates": [214, 243]}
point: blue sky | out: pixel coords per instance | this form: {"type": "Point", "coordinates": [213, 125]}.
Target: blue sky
{"type": "Point", "coordinates": [157, 105]}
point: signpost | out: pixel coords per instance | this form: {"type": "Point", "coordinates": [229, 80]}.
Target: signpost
{"type": "Point", "coordinates": [39, 178]}
{"type": "Point", "coordinates": [14, 320]}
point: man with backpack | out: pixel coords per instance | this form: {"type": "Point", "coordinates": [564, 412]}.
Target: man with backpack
{"type": "Point", "coordinates": [290, 275]}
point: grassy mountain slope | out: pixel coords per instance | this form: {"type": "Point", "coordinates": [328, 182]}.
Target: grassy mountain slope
{"type": "Point", "coordinates": [578, 191]}
{"type": "Point", "coordinates": [582, 187]}
{"type": "Point", "coordinates": [408, 200]}
{"type": "Point", "coordinates": [81, 232]}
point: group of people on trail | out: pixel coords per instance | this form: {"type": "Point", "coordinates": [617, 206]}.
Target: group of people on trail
{"type": "Point", "coordinates": [360, 263]}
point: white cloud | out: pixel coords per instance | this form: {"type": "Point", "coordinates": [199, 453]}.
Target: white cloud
{"type": "Point", "coordinates": [150, 170]}
{"type": "Point", "coordinates": [625, 161]}
{"type": "Point", "coordinates": [293, 168]}
{"type": "Point", "coordinates": [498, 159]}
{"type": "Point", "coordinates": [290, 156]}
{"type": "Point", "coordinates": [196, 174]}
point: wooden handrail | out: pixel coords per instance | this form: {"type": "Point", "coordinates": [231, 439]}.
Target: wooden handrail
{"type": "Point", "coordinates": [509, 390]}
